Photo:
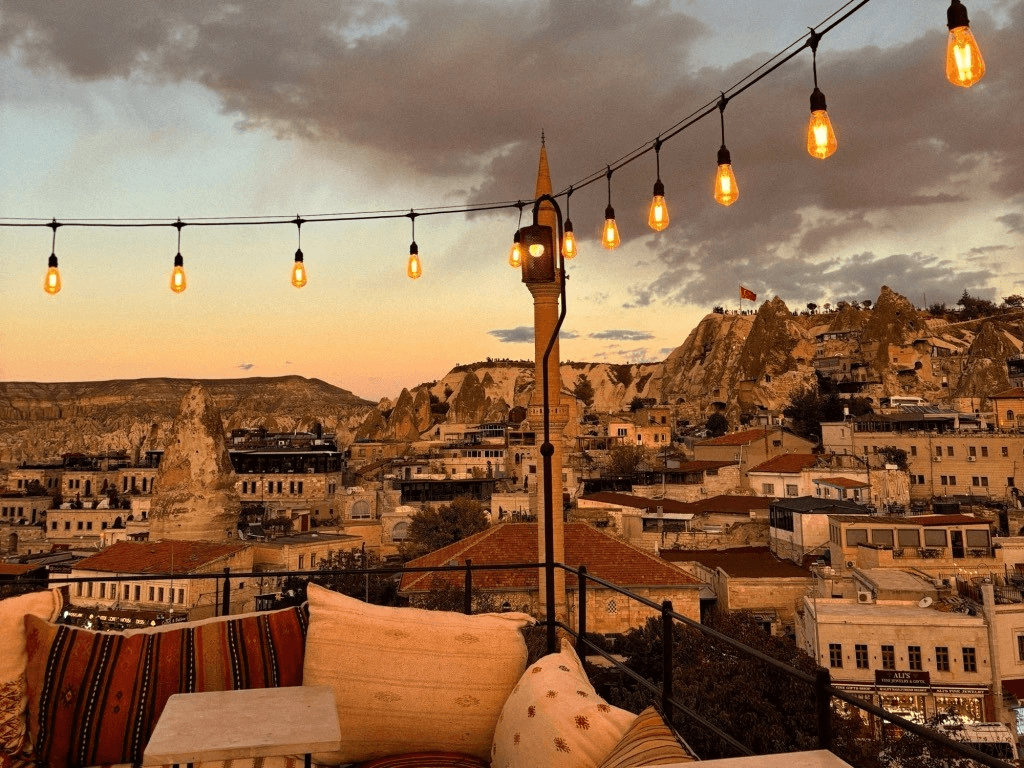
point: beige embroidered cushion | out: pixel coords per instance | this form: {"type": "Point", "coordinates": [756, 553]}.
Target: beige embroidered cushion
{"type": "Point", "coordinates": [554, 718]}
{"type": "Point", "coordinates": [409, 680]}
{"type": "Point", "coordinates": [13, 658]}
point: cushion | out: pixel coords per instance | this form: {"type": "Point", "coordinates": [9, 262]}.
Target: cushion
{"type": "Point", "coordinates": [95, 697]}
{"type": "Point", "coordinates": [407, 679]}
{"type": "Point", "coordinates": [427, 760]}
{"type": "Point", "coordinates": [13, 697]}
{"type": "Point", "coordinates": [647, 742]}
{"type": "Point", "coordinates": [555, 718]}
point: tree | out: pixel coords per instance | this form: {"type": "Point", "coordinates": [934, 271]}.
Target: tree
{"type": "Point", "coordinates": [1015, 301]}
{"type": "Point", "coordinates": [818, 403]}
{"type": "Point", "coordinates": [975, 307]}
{"type": "Point", "coordinates": [636, 404]}
{"type": "Point", "coordinates": [377, 588]}
{"type": "Point", "coordinates": [811, 306]}
{"type": "Point", "coordinates": [626, 459]}
{"type": "Point", "coordinates": [437, 527]}
{"type": "Point", "coordinates": [583, 390]}
{"type": "Point", "coordinates": [866, 303]}
{"type": "Point", "coordinates": [893, 455]}
{"type": "Point", "coordinates": [716, 425]}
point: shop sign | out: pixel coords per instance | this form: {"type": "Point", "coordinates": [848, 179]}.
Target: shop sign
{"type": "Point", "coordinates": [892, 678]}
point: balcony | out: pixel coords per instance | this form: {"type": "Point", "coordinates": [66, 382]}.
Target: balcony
{"type": "Point", "coordinates": [823, 724]}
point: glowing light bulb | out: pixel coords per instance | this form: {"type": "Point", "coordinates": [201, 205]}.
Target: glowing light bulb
{"type": "Point", "coordinates": [964, 65]}
{"type": "Point", "coordinates": [178, 282]}
{"type": "Point", "coordinates": [569, 248]}
{"type": "Point", "coordinates": [727, 191]}
{"type": "Point", "coordinates": [609, 230]}
{"type": "Point", "coordinates": [821, 139]}
{"type": "Point", "coordinates": [537, 250]}
{"type": "Point", "coordinates": [414, 268]}
{"type": "Point", "coordinates": [299, 273]}
{"type": "Point", "coordinates": [515, 253]}
{"type": "Point", "coordinates": [657, 218]}
{"type": "Point", "coordinates": [51, 283]}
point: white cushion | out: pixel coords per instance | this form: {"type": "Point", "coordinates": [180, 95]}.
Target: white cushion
{"type": "Point", "coordinates": [410, 680]}
{"type": "Point", "coordinates": [554, 718]}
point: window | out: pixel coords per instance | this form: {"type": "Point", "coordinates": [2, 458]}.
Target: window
{"type": "Point", "coordinates": [942, 658]}
{"type": "Point", "coordinates": [768, 489]}
{"type": "Point", "coordinates": [855, 536]}
{"type": "Point", "coordinates": [981, 482]}
{"type": "Point", "coordinates": [882, 537]}
{"type": "Point", "coordinates": [984, 451]}
{"type": "Point", "coordinates": [103, 590]}
{"type": "Point", "coordinates": [908, 537]}
{"type": "Point", "coordinates": [949, 450]}
{"type": "Point", "coordinates": [792, 490]}
{"type": "Point", "coordinates": [181, 596]}
{"type": "Point", "coordinates": [934, 538]}
{"type": "Point", "coordinates": [938, 451]}
{"type": "Point", "coordinates": [970, 659]}
{"type": "Point", "coordinates": [914, 657]}
{"type": "Point", "coordinates": [127, 591]}
{"type": "Point", "coordinates": [161, 593]}
{"type": "Point", "coordinates": [944, 480]}
{"type": "Point", "coordinates": [888, 657]}
{"type": "Point", "coordinates": [972, 451]}
{"type": "Point", "coordinates": [138, 593]}
{"type": "Point", "coordinates": [952, 479]}
{"type": "Point", "coordinates": [152, 593]}
{"type": "Point", "coordinates": [835, 655]}
{"type": "Point", "coordinates": [1010, 483]}
{"type": "Point", "coordinates": [1004, 450]}
{"type": "Point", "coordinates": [1020, 647]}
{"type": "Point", "coordinates": [861, 652]}
{"type": "Point", "coordinates": [301, 560]}
{"type": "Point", "coordinates": [913, 450]}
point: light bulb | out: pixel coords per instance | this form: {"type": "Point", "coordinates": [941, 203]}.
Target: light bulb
{"type": "Point", "coordinates": [51, 283]}
{"type": "Point", "coordinates": [178, 283]}
{"type": "Point", "coordinates": [964, 65]}
{"type": "Point", "coordinates": [821, 139]}
{"type": "Point", "coordinates": [657, 218]}
{"type": "Point", "coordinates": [569, 248]}
{"type": "Point", "coordinates": [609, 230]}
{"type": "Point", "coordinates": [726, 189]}
{"type": "Point", "coordinates": [537, 250]}
{"type": "Point", "coordinates": [299, 274]}
{"type": "Point", "coordinates": [414, 268]}
{"type": "Point", "coordinates": [515, 253]}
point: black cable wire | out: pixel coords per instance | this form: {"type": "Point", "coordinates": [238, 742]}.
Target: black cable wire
{"type": "Point", "coordinates": [709, 108]}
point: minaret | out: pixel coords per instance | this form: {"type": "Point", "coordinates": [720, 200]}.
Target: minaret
{"type": "Point", "coordinates": [546, 294]}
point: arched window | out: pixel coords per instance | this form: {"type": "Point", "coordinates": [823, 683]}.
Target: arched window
{"type": "Point", "coordinates": [1009, 416]}
{"type": "Point", "coordinates": [400, 532]}
{"type": "Point", "coordinates": [361, 510]}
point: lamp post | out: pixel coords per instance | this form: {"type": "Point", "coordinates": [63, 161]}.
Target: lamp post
{"type": "Point", "coordinates": [543, 270]}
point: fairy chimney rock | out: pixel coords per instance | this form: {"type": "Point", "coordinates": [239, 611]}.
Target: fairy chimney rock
{"type": "Point", "coordinates": [195, 496]}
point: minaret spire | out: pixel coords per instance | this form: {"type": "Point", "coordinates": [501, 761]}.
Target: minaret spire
{"type": "Point", "coordinates": [546, 216]}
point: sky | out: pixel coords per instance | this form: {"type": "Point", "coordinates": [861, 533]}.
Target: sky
{"type": "Point", "coordinates": [207, 110]}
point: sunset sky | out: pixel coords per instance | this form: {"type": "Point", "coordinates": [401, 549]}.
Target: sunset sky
{"type": "Point", "coordinates": [114, 109]}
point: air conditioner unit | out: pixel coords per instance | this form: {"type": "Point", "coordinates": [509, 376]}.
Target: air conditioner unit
{"type": "Point", "coordinates": [972, 458]}
{"type": "Point", "coordinates": [936, 458]}
{"type": "Point", "coordinates": [865, 597]}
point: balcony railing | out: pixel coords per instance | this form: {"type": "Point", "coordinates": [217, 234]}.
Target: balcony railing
{"type": "Point", "coordinates": [826, 697]}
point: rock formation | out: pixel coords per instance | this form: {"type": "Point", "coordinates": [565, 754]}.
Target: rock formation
{"type": "Point", "coordinates": [195, 497]}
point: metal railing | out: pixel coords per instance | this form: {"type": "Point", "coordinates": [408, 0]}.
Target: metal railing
{"type": "Point", "coordinates": [825, 695]}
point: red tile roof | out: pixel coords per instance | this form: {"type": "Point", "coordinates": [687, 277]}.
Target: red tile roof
{"type": "Point", "coordinates": [745, 437]}
{"type": "Point", "coordinates": [171, 557]}
{"type": "Point", "coordinates": [1014, 392]}
{"type": "Point", "coordinates": [788, 462]}
{"type": "Point", "coordinates": [738, 505]}
{"type": "Point", "coordinates": [742, 562]}
{"type": "Point", "coordinates": [702, 466]}
{"type": "Point", "coordinates": [605, 557]}
{"type": "Point", "coordinates": [841, 482]}
{"type": "Point", "coordinates": [17, 569]}
{"type": "Point", "coordinates": [946, 520]}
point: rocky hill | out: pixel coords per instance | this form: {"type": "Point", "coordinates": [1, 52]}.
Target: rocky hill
{"type": "Point", "coordinates": [735, 363]}
{"type": "Point", "coordinates": [41, 421]}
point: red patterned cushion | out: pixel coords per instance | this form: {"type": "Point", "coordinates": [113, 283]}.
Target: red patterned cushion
{"type": "Point", "coordinates": [426, 760]}
{"type": "Point", "coordinates": [95, 697]}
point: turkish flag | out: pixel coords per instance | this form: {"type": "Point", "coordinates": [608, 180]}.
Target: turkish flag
{"type": "Point", "coordinates": [746, 293]}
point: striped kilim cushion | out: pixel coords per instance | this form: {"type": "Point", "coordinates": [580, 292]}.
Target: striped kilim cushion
{"type": "Point", "coordinates": [95, 697]}
{"type": "Point", "coordinates": [647, 742]}
{"type": "Point", "coordinates": [427, 760]}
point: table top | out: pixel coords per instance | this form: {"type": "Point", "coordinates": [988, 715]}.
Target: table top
{"type": "Point", "coordinates": [257, 722]}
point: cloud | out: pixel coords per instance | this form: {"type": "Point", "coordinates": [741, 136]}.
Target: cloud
{"type": "Point", "coordinates": [1014, 222]}
{"type": "Point", "coordinates": [523, 334]}
{"type": "Point", "coordinates": [621, 335]}
{"type": "Point", "coordinates": [246, 366]}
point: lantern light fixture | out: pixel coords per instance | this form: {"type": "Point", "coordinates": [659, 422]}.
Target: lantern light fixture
{"type": "Point", "coordinates": [515, 253]}
{"type": "Point", "coordinates": [51, 283]}
{"type": "Point", "coordinates": [964, 64]}
{"type": "Point", "coordinates": [609, 230]}
{"type": "Point", "coordinates": [178, 281]}
{"type": "Point", "coordinates": [299, 274]}
{"type": "Point", "coordinates": [657, 217]}
{"type": "Point", "coordinates": [727, 191]}
{"type": "Point", "coordinates": [414, 269]}
{"type": "Point", "coordinates": [569, 246]}
{"type": "Point", "coordinates": [821, 138]}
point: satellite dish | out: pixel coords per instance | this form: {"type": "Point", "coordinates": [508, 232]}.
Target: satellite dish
{"type": "Point", "coordinates": [924, 602]}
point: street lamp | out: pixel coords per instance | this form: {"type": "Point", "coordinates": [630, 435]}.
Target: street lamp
{"type": "Point", "coordinates": [543, 263]}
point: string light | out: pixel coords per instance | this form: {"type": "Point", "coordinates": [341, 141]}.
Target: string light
{"type": "Point", "coordinates": [178, 282]}
{"type": "Point", "coordinates": [51, 283]}
{"type": "Point", "coordinates": [727, 191]}
{"type": "Point", "coordinates": [569, 248]}
{"type": "Point", "coordinates": [657, 217]}
{"type": "Point", "coordinates": [964, 64]}
{"type": "Point", "coordinates": [609, 230]}
{"type": "Point", "coordinates": [821, 139]}
{"type": "Point", "coordinates": [414, 269]}
{"type": "Point", "coordinates": [299, 274]}
{"type": "Point", "coordinates": [515, 253]}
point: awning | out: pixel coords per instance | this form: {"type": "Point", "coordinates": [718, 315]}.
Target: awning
{"type": "Point", "coordinates": [1014, 686]}
{"type": "Point", "coordinates": [668, 516]}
